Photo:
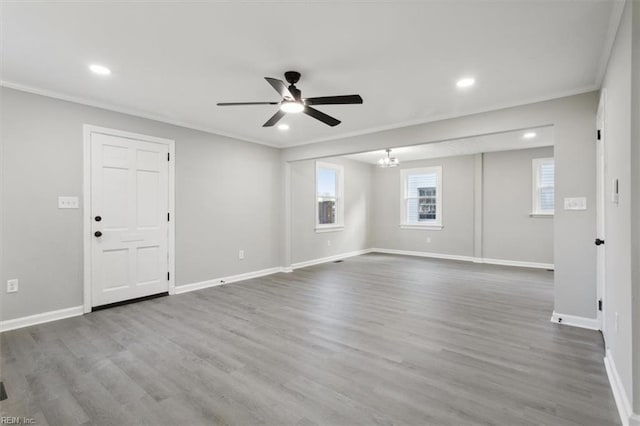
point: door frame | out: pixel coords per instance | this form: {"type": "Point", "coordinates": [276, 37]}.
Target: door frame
{"type": "Point", "coordinates": [88, 130]}
{"type": "Point", "coordinates": [601, 203]}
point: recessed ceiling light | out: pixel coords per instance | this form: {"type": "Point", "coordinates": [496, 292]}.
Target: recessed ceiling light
{"type": "Point", "coordinates": [283, 126]}
{"type": "Point", "coordinates": [466, 82]}
{"type": "Point", "coordinates": [99, 69]}
{"type": "Point", "coordinates": [529, 135]}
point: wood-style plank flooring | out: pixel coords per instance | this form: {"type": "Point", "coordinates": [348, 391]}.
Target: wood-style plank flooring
{"type": "Point", "coordinates": [376, 339]}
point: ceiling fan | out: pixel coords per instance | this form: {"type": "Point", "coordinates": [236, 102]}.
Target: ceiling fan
{"type": "Point", "coordinates": [293, 102]}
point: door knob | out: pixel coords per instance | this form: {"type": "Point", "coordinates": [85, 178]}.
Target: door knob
{"type": "Point", "coordinates": [98, 218]}
{"type": "Point", "coordinates": [599, 241]}
{"type": "Point", "coordinates": [98, 234]}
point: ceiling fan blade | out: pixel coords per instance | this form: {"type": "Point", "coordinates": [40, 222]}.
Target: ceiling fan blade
{"type": "Point", "coordinates": [326, 119]}
{"type": "Point", "coordinates": [280, 87]}
{"type": "Point", "coordinates": [246, 103]}
{"type": "Point", "coordinates": [334, 100]}
{"type": "Point", "coordinates": [275, 118]}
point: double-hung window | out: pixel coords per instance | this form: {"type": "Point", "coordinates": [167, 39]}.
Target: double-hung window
{"type": "Point", "coordinates": [421, 199]}
{"type": "Point", "coordinates": [329, 196]}
{"type": "Point", "coordinates": [543, 178]}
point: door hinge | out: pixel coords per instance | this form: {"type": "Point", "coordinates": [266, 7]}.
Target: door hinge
{"type": "Point", "coordinates": [168, 276]}
{"type": "Point", "coordinates": [598, 134]}
{"type": "Point", "coordinates": [600, 305]}
{"type": "Point", "coordinates": [168, 216]}
{"type": "Point", "coordinates": [169, 155]}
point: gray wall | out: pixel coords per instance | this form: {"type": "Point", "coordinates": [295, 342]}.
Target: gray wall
{"type": "Point", "coordinates": [228, 197]}
{"type": "Point", "coordinates": [573, 118]}
{"type": "Point", "coordinates": [508, 231]}
{"type": "Point", "coordinates": [456, 236]}
{"type": "Point", "coordinates": [635, 196]}
{"type": "Point", "coordinates": [308, 244]}
{"type": "Point", "coordinates": [617, 84]}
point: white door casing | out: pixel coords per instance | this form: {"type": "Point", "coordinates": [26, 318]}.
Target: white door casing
{"type": "Point", "coordinates": [129, 186]}
{"type": "Point", "coordinates": [600, 210]}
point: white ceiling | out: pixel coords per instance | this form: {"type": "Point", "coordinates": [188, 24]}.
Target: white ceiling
{"type": "Point", "coordinates": [506, 141]}
{"type": "Point", "coordinates": [174, 61]}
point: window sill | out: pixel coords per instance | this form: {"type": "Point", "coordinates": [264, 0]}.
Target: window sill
{"type": "Point", "coordinates": [547, 215]}
{"type": "Point", "coordinates": [422, 227]}
{"type": "Point", "coordinates": [336, 228]}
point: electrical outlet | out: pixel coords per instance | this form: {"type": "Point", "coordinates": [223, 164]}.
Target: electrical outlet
{"type": "Point", "coordinates": [241, 254]}
{"type": "Point", "coordinates": [12, 286]}
{"type": "Point", "coordinates": [428, 239]}
{"type": "Point", "coordinates": [328, 243]}
{"type": "Point", "coordinates": [68, 203]}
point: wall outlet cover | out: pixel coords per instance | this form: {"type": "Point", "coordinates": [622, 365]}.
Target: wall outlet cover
{"type": "Point", "coordinates": [575, 203]}
{"type": "Point", "coordinates": [12, 286]}
{"type": "Point", "coordinates": [68, 202]}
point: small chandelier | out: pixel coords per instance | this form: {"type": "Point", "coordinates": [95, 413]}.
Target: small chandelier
{"type": "Point", "coordinates": [388, 161]}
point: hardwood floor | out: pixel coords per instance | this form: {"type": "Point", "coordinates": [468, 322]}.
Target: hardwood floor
{"type": "Point", "coordinates": [376, 339]}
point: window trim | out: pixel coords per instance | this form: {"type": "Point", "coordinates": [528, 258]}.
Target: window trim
{"type": "Point", "coordinates": [339, 224]}
{"type": "Point", "coordinates": [536, 211]}
{"type": "Point", "coordinates": [435, 225]}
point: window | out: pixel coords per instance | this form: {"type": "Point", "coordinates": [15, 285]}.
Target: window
{"type": "Point", "coordinates": [329, 197]}
{"type": "Point", "coordinates": [421, 191]}
{"type": "Point", "coordinates": [543, 186]}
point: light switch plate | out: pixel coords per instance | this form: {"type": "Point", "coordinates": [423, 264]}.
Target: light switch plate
{"type": "Point", "coordinates": [68, 203]}
{"type": "Point", "coordinates": [576, 203]}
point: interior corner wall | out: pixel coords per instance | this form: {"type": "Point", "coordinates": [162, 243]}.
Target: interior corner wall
{"type": "Point", "coordinates": [307, 244]}
{"type": "Point", "coordinates": [617, 145]}
{"type": "Point", "coordinates": [509, 232]}
{"type": "Point", "coordinates": [228, 197]}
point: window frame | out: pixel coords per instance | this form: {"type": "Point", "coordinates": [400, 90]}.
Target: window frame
{"type": "Point", "coordinates": [339, 223]}
{"type": "Point", "coordinates": [427, 225]}
{"type": "Point", "coordinates": [536, 210]}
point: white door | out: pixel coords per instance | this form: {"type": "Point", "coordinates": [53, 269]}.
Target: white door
{"type": "Point", "coordinates": [129, 218]}
{"type": "Point", "coordinates": [600, 211]}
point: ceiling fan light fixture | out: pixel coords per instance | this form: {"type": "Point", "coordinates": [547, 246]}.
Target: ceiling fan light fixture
{"type": "Point", "coordinates": [292, 107]}
{"type": "Point", "coordinates": [388, 161]}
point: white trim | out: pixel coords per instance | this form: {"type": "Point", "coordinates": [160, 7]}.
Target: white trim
{"type": "Point", "coordinates": [423, 227]}
{"type": "Point", "coordinates": [329, 258]}
{"type": "Point", "coordinates": [404, 174]}
{"type": "Point", "coordinates": [518, 263]}
{"type": "Point", "coordinates": [575, 321]}
{"type": "Point", "coordinates": [619, 393]}
{"type": "Point", "coordinates": [425, 254]}
{"type": "Point", "coordinates": [226, 280]}
{"type": "Point", "coordinates": [339, 223]}
{"type": "Point", "coordinates": [501, 262]}
{"type": "Point", "coordinates": [88, 129]}
{"type": "Point", "coordinates": [541, 215]}
{"type": "Point", "coordinates": [13, 324]}
{"type": "Point", "coordinates": [128, 111]}
{"type": "Point", "coordinates": [331, 228]}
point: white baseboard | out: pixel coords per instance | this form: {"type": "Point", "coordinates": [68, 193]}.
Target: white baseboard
{"type": "Point", "coordinates": [575, 321]}
{"type": "Point", "coordinates": [12, 324]}
{"type": "Point", "coordinates": [518, 263]}
{"type": "Point", "coordinates": [619, 394]}
{"type": "Point", "coordinates": [424, 254]}
{"type": "Point", "coordinates": [503, 262]}
{"type": "Point", "coordinates": [226, 280]}
{"type": "Point", "coordinates": [329, 258]}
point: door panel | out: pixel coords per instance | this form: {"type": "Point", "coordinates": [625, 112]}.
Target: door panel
{"type": "Point", "coordinates": [130, 191]}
